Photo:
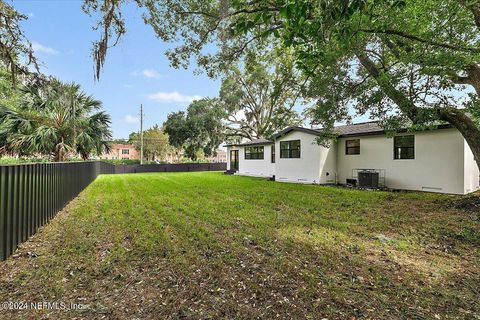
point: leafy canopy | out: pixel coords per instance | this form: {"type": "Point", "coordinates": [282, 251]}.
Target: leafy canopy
{"type": "Point", "coordinates": [199, 129]}
{"type": "Point", "coordinates": [260, 94]}
{"type": "Point", "coordinates": [155, 143]}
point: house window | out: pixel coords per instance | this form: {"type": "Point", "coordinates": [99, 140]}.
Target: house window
{"type": "Point", "coordinates": [404, 147]}
{"type": "Point", "coordinates": [273, 153]}
{"type": "Point", "coordinates": [290, 149]}
{"type": "Point", "coordinates": [125, 151]}
{"type": "Point", "coordinates": [253, 153]}
{"type": "Point", "coordinates": [352, 146]}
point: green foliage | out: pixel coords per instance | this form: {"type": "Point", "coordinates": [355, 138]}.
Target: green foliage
{"type": "Point", "coordinates": [119, 141]}
{"type": "Point", "coordinates": [155, 143]}
{"type": "Point", "coordinates": [199, 129]}
{"type": "Point", "coordinates": [260, 94]}
{"type": "Point", "coordinates": [423, 55]}
{"type": "Point", "coordinates": [16, 52]}
{"type": "Point", "coordinates": [9, 94]}
{"type": "Point", "coordinates": [121, 161]}
{"type": "Point", "coordinates": [55, 119]}
{"type": "Point", "coordinates": [13, 160]}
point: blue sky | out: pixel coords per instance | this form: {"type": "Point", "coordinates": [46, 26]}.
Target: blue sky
{"type": "Point", "coordinates": [136, 70]}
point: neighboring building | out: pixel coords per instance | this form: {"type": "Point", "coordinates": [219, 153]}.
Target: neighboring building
{"type": "Point", "coordinates": [435, 160]}
{"type": "Point", "coordinates": [122, 152]}
{"type": "Point", "coordinates": [220, 157]}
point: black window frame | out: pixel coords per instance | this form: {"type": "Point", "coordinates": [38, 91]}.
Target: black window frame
{"type": "Point", "coordinates": [254, 153]}
{"type": "Point", "coordinates": [125, 151]}
{"type": "Point", "coordinates": [272, 159]}
{"type": "Point", "coordinates": [402, 150]}
{"type": "Point", "coordinates": [288, 152]}
{"type": "Point", "coordinates": [349, 150]}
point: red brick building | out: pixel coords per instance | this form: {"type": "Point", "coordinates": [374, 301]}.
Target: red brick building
{"type": "Point", "coordinates": [122, 152]}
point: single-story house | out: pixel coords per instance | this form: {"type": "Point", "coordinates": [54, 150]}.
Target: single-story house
{"type": "Point", "coordinates": [438, 160]}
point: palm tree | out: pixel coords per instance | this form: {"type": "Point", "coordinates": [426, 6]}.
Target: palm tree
{"type": "Point", "coordinates": [55, 119]}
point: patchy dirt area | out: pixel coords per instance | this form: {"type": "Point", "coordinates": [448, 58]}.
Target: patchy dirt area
{"type": "Point", "coordinates": [209, 246]}
{"type": "Point", "coordinates": [467, 203]}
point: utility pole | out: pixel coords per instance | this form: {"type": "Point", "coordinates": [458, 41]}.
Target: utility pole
{"type": "Point", "coordinates": [141, 134]}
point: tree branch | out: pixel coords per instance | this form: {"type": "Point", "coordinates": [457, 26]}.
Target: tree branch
{"type": "Point", "coordinates": [419, 39]}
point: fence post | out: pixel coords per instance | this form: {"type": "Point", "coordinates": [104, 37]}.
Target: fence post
{"type": "Point", "coordinates": [3, 212]}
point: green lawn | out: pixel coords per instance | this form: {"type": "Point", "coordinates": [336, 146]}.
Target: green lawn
{"type": "Point", "coordinates": [208, 245]}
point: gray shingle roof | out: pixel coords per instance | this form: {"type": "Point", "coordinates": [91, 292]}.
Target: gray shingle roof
{"type": "Point", "coordinates": [359, 128]}
{"type": "Point", "coordinates": [251, 143]}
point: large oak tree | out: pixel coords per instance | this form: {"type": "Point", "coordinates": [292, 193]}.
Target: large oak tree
{"type": "Point", "coordinates": [260, 95]}
{"type": "Point", "coordinates": [412, 62]}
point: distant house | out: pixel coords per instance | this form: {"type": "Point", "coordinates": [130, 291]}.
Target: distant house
{"type": "Point", "coordinates": [435, 160]}
{"type": "Point", "coordinates": [122, 152]}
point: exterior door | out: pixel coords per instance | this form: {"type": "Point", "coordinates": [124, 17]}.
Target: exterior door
{"type": "Point", "coordinates": [233, 159]}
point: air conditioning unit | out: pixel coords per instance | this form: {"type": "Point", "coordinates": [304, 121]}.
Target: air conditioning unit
{"type": "Point", "coordinates": [368, 179]}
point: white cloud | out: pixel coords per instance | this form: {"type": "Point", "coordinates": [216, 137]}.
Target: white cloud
{"type": "Point", "coordinates": [147, 73]}
{"type": "Point", "coordinates": [131, 119]}
{"type": "Point", "coordinates": [168, 97]}
{"type": "Point", "coordinates": [38, 47]}
{"type": "Point", "coordinates": [31, 14]}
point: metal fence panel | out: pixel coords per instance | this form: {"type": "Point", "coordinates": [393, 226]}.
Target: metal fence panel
{"type": "Point", "coordinates": [31, 195]}
{"type": "Point", "coordinates": [176, 167]}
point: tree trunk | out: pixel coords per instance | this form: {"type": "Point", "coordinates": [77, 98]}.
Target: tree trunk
{"type": "Point", "coordinates": [466, 126]}
{"type": "Point", "coordinates": [453, 116]}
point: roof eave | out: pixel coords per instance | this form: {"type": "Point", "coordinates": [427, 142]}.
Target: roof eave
{"type": "Point", "coordinates": [290, 129]}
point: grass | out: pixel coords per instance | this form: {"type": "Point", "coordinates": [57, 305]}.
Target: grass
{"type": "Point", "coordinates": [208, 245]}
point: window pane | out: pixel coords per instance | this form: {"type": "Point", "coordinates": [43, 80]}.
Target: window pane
{"type": "Point", "coordinates": [295, 153]}
{"type": "Point", "coordinates": [295, 144]}
{"type": "Point", "coordinates": [410, 153]}
{"type": "Point", "coordinates": [405, 141]}
{"type": "Point", "coordinates": [283, 153]}
{"type": "Point", "coordinates": [353, 143]}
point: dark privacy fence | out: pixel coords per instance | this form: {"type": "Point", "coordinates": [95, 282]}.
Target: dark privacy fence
{"type": "Point", "coordinates": [31, 194]}
{"type": "Point", "coordinates": [176, 167]}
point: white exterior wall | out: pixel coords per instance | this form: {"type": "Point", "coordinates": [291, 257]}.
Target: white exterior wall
{"type": "Point", "coordinates": [256, 167]}
{"type": "Point", "coordinates": [313, 165]}
{"type": "Point", "coordinates": [472, 174]}
{"type": "Point", "coordinates": [438, 165]}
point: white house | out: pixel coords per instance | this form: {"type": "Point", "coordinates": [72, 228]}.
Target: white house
{"type": "Point", "coordinates": [437, 160]}
{"type": "Point", "coordinates": [252, 158]}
